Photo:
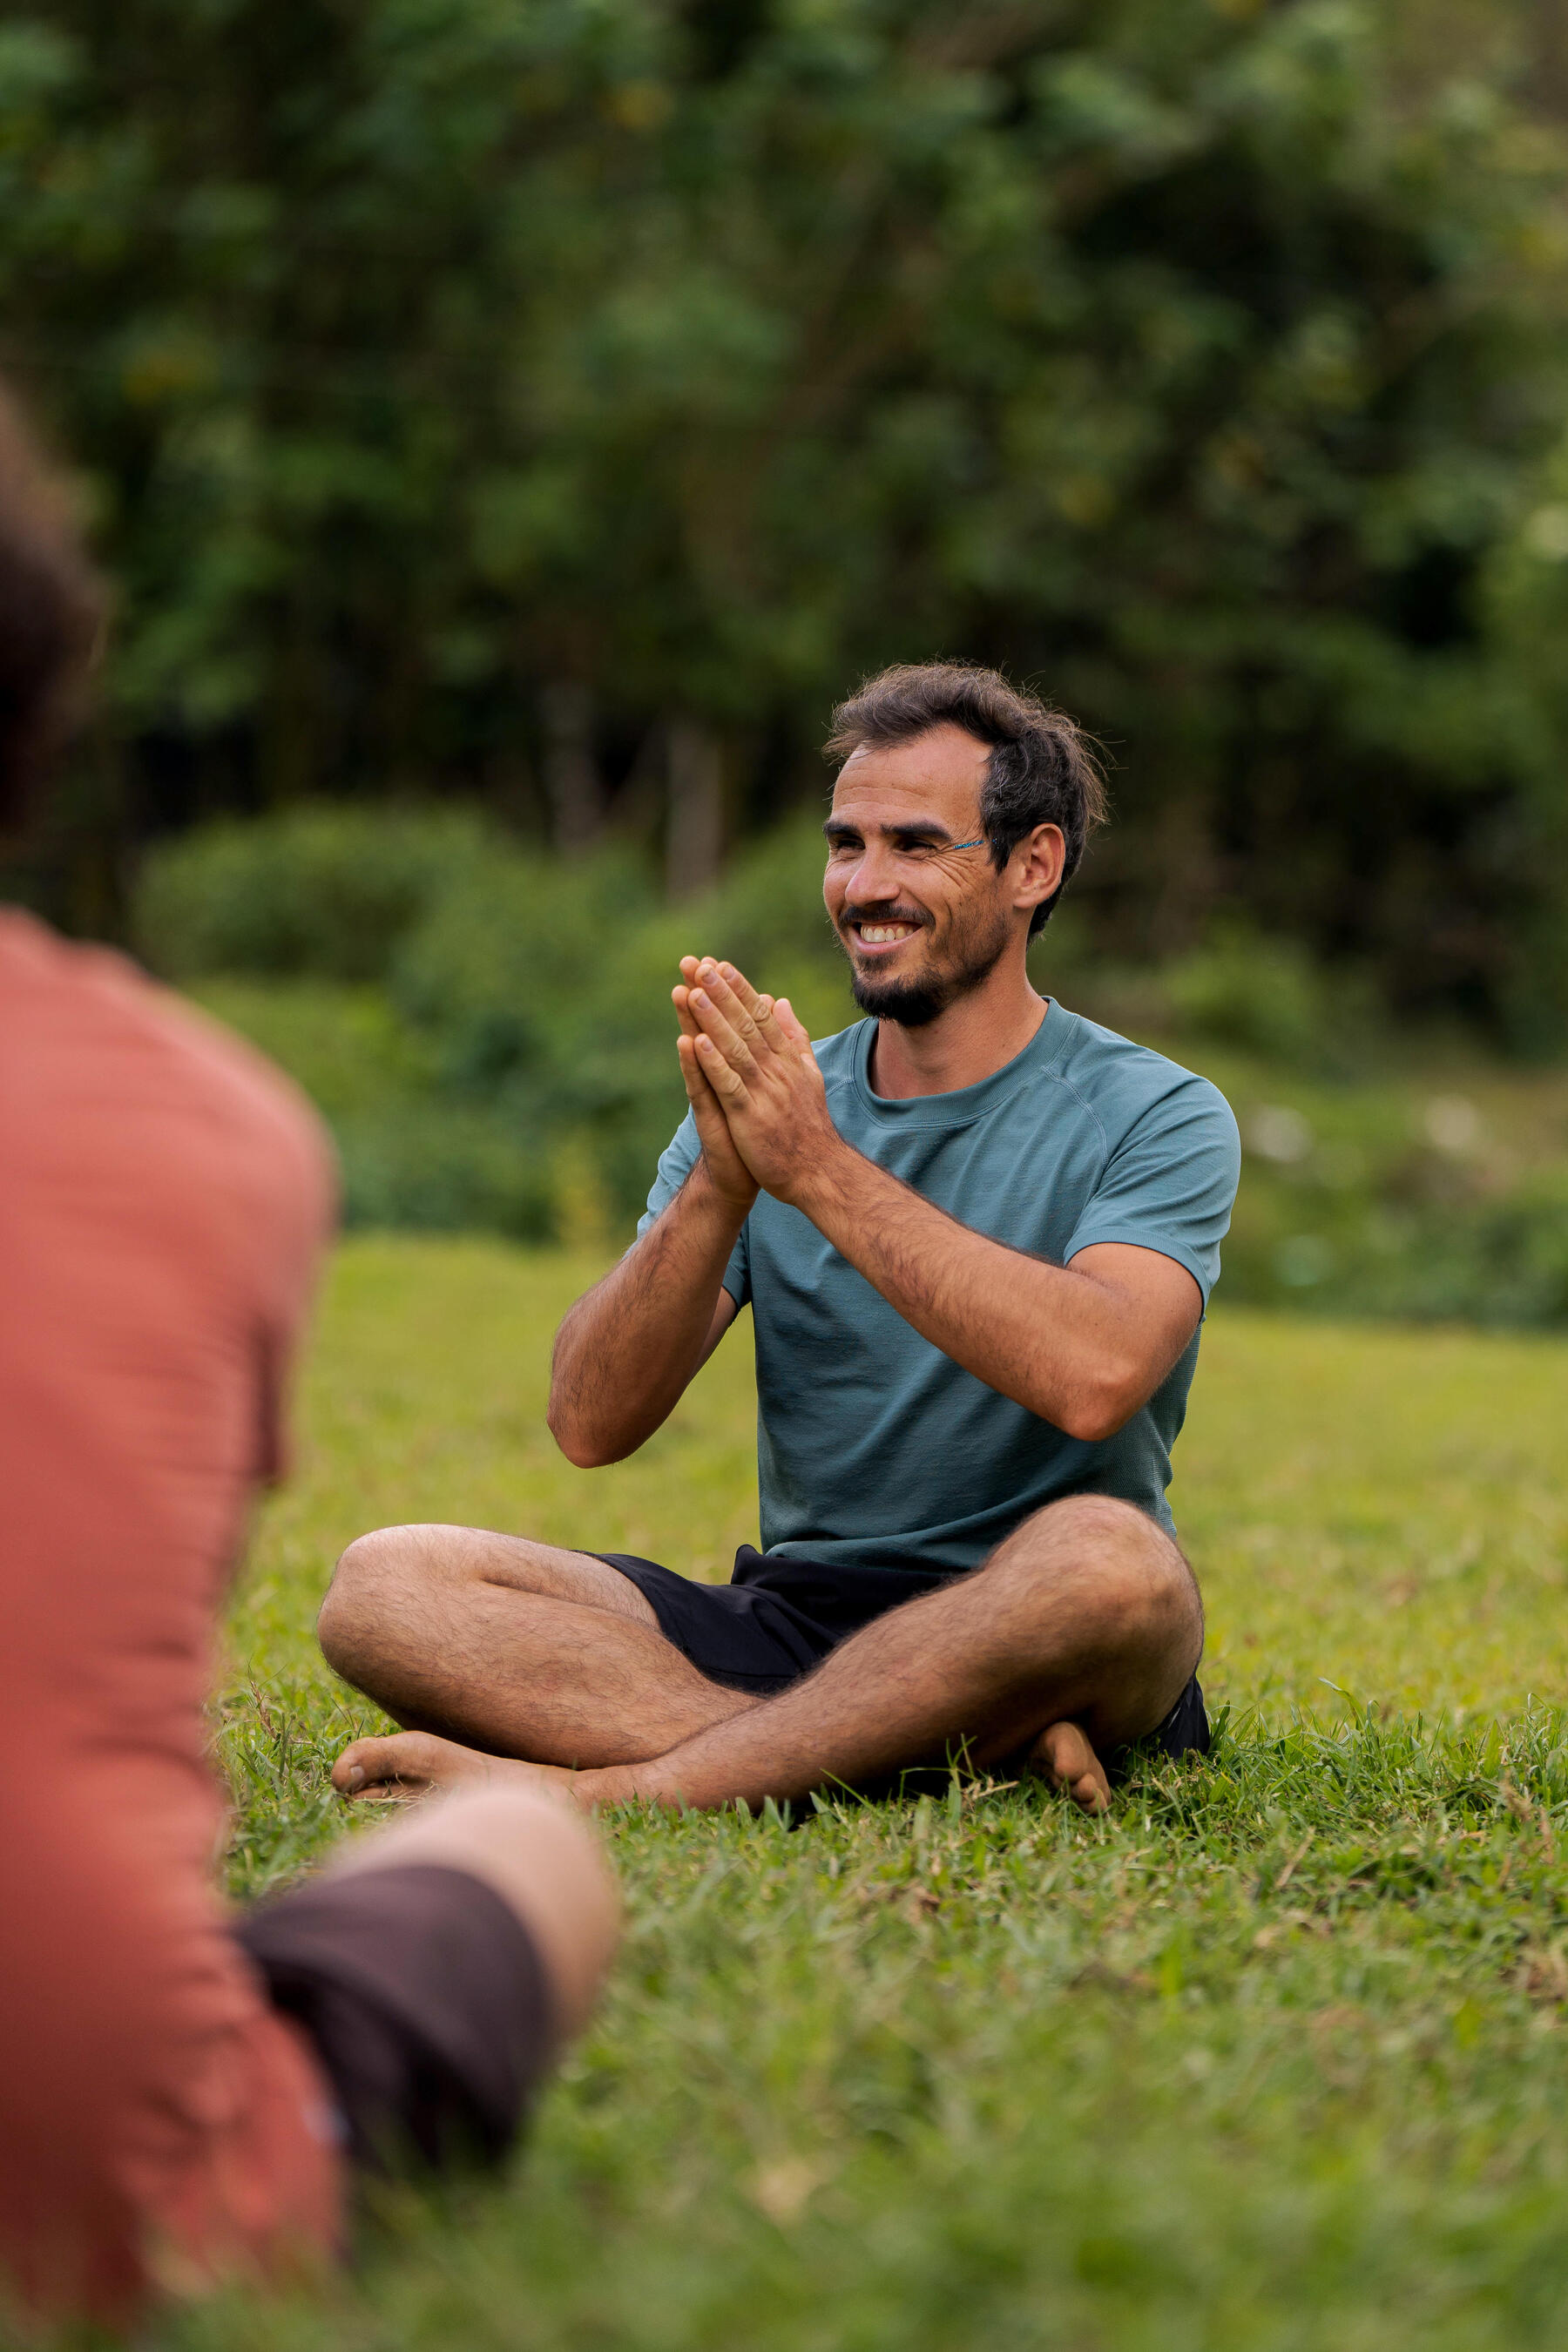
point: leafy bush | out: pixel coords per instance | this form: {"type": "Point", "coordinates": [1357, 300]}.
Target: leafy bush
{"type": "Point", "coordinates": [413, 1153]}
{"type": "Point", "coordinates": [1384, 1198]}
{"type": "Point", "coordinates": [442, 1167]}
{"type": "Point", "coordinates": [514, 967]}
{"type": "Point", "coordinates": [327, 890]}
{"type": "Point", "coordinates": [344, 1043]}
{"type": "Point", "coordinates": [1267, 995]}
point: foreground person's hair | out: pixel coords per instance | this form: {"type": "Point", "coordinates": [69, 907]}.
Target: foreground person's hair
{"type": "Point", "coordinates": [1042, 768]}
{"type": "Point", "coordinates": [50, 613]}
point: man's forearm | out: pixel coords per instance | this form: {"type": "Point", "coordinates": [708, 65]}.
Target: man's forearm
{"type": "Point", "coordinates": [627, 1348]}
{"type": "Point", "coordinates": [1053, 1341]}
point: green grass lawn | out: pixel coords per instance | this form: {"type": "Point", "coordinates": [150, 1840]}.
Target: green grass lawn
{"type": "Point", "coordinates": [1273, 2058]}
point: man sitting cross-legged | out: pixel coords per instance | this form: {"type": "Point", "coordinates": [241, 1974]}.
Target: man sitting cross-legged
{"type": "Point", "coordinates": [976, 1232]}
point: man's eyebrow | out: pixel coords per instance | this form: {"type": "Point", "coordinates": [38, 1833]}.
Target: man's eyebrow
{"type": "Point", "coordinates": [926, 828]}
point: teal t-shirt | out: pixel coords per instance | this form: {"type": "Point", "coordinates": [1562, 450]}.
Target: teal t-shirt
{"type": "Point", "coordinates": [873, 1446]}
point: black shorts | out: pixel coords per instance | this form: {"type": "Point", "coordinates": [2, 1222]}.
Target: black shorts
{"type": "Point", "coordinates": [427, 2002]}
{"type": "Point", "coordinates": [779, 1616]}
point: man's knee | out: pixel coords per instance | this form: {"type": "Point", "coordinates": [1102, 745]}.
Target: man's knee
{"type": "Point", "coordinates": [1121, 1566]}
{"type": "Point", "coordinates": [362, 1599]}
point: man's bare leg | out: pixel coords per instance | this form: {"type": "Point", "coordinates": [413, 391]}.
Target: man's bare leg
{"type": "Point", "coordinates": [518, 1648]}
{"type": "Point", "coordinates": [1080, 1633]}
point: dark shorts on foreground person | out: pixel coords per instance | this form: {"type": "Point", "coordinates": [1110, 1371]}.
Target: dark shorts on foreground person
{"type": "Point", "coordinates": [426, 2003]}
{"type": "Point", "coordinates": [779, 1616]}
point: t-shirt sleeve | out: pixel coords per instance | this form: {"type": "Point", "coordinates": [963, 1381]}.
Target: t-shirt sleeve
{"type": "Point", "coordinates": [1170, 1182]}
{"type": "Point", "coordinates": [676, 1162]}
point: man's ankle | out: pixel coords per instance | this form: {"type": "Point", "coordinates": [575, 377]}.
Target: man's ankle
{"type": "Point", "coordinates": [607, 1784]}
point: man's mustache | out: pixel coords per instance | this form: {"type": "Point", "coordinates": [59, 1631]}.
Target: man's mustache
{"type": "Point", "coordinates": [884, 915]}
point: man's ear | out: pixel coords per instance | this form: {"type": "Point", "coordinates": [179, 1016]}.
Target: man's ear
{"type": "Point", "coordinates": [1038, 862]}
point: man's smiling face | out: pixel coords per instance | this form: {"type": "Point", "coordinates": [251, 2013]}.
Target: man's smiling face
{"type": "Point", "coordinates": [910, 887]}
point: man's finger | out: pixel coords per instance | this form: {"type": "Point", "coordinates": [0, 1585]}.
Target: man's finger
{"type": "Point", "coordinates": [796, 1036]}
{"type": "Point", "coordinates": [741, 986]}
{"type": "Point", "coordinates": [735, 1010]}
{"type": "Point", "coordinates": [708, 1113]}
{"type": "Point", "coordinates": [694, 971]}
{"type": "Point", "coordinates": [725, 1080]}
{"type": "Point", "coordinates": [706, 1104]}
{"type": "Point", "coordinates": [753, 1007]}
{"type": "Point", "coordinates": [720, 1032]}
{"type": "Point", "coordinates": [769, 1026]}
{"type": "Point", "coordinates": [728, 989]}
{"type": "Point", "coordinates": [696, 1084]}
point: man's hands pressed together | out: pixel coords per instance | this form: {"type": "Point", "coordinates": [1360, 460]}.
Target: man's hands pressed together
{"type": "Point", "coordinates": [752, 1079]}
{"type": "Point", "coordinates": [732, 1180]}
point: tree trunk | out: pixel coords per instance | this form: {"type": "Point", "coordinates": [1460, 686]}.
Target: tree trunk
{"type": "Point", "coordinates": [694, 839]}
{"type": "Point", "coordinates": [572, 778]}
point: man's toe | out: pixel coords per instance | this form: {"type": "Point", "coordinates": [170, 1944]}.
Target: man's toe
{"type": "Point", "coordinates": [369, 1765]}
{"type": "Point", "coordinates": [1068, 1756]}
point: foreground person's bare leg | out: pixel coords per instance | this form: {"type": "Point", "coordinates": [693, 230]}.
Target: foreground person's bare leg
{"type": "Point", "coordinates": [539, 1855]}
{"type": "Point", "coordinates": [1078, 1634]}
{"type": "Point", "coordinates": [517, 1648]}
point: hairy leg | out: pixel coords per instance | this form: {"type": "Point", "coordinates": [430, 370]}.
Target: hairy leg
{"type": "Point", "coordinates": [1078, 1634]}
{"type": "Point", "coordinates": [516, 1648]}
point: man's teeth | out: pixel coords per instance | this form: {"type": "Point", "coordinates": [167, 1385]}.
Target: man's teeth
{"type": "Point", "coordinates": [878, 934]}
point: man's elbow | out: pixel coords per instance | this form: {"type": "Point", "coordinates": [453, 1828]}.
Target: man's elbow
{"type": "Point", "coordinates": [585, 1448]}
{"type": "Point", "coordinates": [1102, 1409]}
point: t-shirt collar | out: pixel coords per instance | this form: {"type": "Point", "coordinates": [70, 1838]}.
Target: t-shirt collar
{"type": "Point", "coordinates": [964, 1104]}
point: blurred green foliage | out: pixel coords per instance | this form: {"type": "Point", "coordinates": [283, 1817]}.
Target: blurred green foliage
{"type": "Point", "coordinates": [322, 891]}
{"type": "Point", "coordinates": [480, 399]}
{"type": "Point", "coordinates": [510, 1065]}
{"type": "Point", "coordinates": [504, 1059]}
{"type": "Point", "coordinates": [1268, 996]}
{"type": "Point", "coordinates": [1400, 1195]}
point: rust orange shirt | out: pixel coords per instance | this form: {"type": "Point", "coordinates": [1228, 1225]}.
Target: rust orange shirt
{"type": "Point", "coordinates": [164, 1196]}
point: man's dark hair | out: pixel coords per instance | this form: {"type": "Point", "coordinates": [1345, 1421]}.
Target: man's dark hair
{"type": "Point", "coordinates": [1042, 768]}
{"type": "Point", "coordinates": [50, 613]}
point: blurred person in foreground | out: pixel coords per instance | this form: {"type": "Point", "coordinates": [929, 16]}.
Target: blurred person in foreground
{"type": "Point", "coordinates": [977, 1233]}
{"type": "Point", "coordinates": [185, 2096]}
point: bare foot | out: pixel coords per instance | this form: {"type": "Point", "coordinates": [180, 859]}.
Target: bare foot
{"type": "Point", "coordinates": [1073, 1765]}
{"type": "Point", "coordinates": [418, 1764]}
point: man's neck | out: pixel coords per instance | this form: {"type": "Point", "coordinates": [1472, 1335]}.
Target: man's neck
{"type": "Point", "coordinates": [981, 1033]}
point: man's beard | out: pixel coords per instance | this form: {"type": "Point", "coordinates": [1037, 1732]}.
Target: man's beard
{"type": "Point", "coordinates": [914, 1003]}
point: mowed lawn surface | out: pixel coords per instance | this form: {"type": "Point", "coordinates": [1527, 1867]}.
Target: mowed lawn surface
{"type": "Point", "coordinates": [1274, 2057]}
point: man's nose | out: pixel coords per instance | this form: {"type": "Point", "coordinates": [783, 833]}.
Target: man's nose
{"type": "Point", "coordinates": [874, 878]}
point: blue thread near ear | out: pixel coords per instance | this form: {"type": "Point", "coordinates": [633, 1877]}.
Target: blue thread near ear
{"type": "Point", "coordinates": [979, 842]}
